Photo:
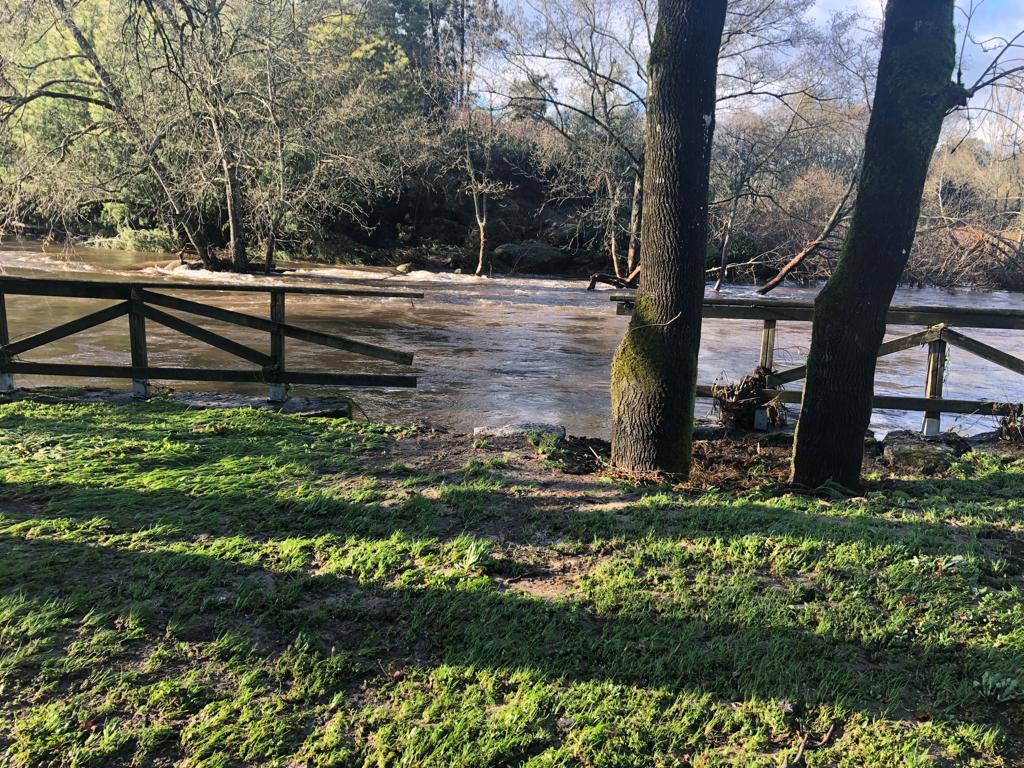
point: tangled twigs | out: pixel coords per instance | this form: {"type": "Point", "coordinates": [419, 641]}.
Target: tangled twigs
{"type": "Point", "coordinates": [738, 402]}
{"type": "Point", "coordinates": [1011, 426]}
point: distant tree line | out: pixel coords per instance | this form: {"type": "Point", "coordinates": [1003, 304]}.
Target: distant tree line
{"type": "Point", "coordinates": [509, 136]}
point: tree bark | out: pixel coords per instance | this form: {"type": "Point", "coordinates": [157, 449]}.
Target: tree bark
{"type": "Point", "coordinates": [481, 225]}
{"type": "Point", "coordinates": [238, 247]}
{"type": "Point", "coordinates": [654, 371]}
{"type": "Point", "coordinates": [912, 96]}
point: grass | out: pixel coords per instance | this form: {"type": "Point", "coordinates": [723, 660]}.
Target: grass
{"type": "Point", "coordinates": [244, 588]}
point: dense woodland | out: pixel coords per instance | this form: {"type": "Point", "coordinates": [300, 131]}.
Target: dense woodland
{"type": "Point", "coordinates": [490, 136]}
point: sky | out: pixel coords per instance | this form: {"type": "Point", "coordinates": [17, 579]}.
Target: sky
{"type": "Point", "coordinates": [992, 18]}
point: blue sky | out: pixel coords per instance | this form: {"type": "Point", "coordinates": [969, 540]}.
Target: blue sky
{"type": "Point", "coordinates": [992, 18]}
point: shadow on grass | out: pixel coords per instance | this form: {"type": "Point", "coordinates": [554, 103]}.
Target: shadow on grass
{"type": "Point", "coordinates": [199, 597]}
{"type": "Point", "coordinates": [513, 518]}
{"type": "Point", "coordinates": [201, 554]}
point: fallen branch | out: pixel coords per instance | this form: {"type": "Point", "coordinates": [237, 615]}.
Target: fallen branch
{"type": "Point", "coordinates": [839, 214]}
{"type": "Point", "coordinates": [629, 281]}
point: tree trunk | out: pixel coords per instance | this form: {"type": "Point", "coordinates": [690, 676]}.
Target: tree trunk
{"type": "Point", "coordinates": [270, 248]}
{"type": "Point", "coordinates": [912, 96]}
{"type": "Point", "coordinates": [632, 250]}
{"type": "Point", "coordinates": [726, 240]}
{"type": "Point", "coordinates": [179, 218]}
{"type": "Point", "coordinates": [654, 371]}
{"type": "Point", "coordinates": [480, 203]}
{"type": "Point", "coordinates": [237, 248]}
{"type": "Point", "coordinates": [237, 245]}
{"type": "Point", "coordinates": [611, 224]}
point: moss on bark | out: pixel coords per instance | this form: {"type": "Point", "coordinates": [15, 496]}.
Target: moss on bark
{"type": "Point", "coordinates": [912, 96]}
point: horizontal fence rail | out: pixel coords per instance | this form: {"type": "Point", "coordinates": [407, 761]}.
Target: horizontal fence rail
{"type": "Point", "coordinates": [142, 302]}
{"type": "Point", "coordinates": [938, 336]}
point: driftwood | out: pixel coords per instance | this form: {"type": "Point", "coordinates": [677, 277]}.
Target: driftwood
{"type": "Point", "coordinates": [738, 403]}
{"type": "Point", "coordinates": [629, 281]}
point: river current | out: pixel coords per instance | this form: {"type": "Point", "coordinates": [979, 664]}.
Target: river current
{"type": "Point", "coordinates": [489, 350]}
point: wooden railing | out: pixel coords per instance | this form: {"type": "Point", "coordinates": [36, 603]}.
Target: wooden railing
{"type": "Point", "coordinates": [139, 301]}
{"type": "Point", "coordinates": [938, 335]}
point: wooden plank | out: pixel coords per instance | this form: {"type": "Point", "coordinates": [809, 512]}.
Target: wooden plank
{"type": "Point", "coordinates": [277, 320]}
{"type": "Point", "coordinates": [74, 289]}
{"type": "Point", "coordinates": [888, 348]}
{"type": "Point", "coordinates": [5, 334]}
{"type": "Point", "coordinates": [893, 402]}
{"type": "Point", "coordinates": [767, 358]}
{"type": "Point", "coordinates": [803, 311]}
{"type": "Point", "coordinates": [278, 392]}
{"type": "Point", "coordinates": [207, 337]}
{"type": "Point", "coordinates": [99, 289]}
{"type": "Point", "coordinates": [208, 374]}
{"type": "Point", "coordinates": [67, 329]}
{"type": "Point", "coordinates": [302, 334]}
{"type": "Point", "coordinates": [139, 350]}
{"type": "Point", "coordinates": [206, 310]}
{"type": "Point", "coordinates": [933, 386]}
{"type": "Point", "coordinates": [6, 379]}
{"type": "Point", "coordinates": [347, 345]}
{"type": "Point", "coordinates": [984, 351]}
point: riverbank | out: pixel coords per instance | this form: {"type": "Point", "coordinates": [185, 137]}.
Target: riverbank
{"type": "Point", "coordinates": [246, 587]}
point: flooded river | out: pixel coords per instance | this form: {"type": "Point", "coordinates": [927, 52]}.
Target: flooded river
{"type": "Point", "coordinates": [488, 350]}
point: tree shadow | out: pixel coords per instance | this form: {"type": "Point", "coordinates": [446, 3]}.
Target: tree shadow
{"type": "Point", "coordinates": [508, 516]}
{"type": "Point", "coordinates": [194, 563]}
{"type": "Point", "coordinates": [474, 622]}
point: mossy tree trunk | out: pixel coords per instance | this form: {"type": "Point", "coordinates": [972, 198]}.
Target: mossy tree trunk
{"type": "Point", "coordinates": [912, 96]}
{"type": "Point", "coordinates": [654, 371]}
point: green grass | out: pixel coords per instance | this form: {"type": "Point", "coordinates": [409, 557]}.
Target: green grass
{"type": "Point", "coordinates": [243, 588]}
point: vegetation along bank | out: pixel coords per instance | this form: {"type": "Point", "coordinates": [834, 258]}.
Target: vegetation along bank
{"type": "Point", "coordinates": [470, 135]}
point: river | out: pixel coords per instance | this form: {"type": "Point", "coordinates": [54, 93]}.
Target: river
{"type": "Point", "coordinates": [488, 350]}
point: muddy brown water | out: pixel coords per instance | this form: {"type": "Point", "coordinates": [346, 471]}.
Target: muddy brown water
{"type": "Point", "coordinates": [489, 350]}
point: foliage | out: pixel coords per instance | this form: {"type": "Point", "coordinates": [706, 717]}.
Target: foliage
{"type": "Point", "coordinates": [338, 128]}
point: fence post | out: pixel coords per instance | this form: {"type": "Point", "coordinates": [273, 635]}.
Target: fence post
{"type": "Point", "coordinates": [933, 385]}
{"type": "Point", "coordinates": [278, 390]}
{"type": "Point", "coordinates": [6, 379]}
{"type": "Point", "coordinates": [766, 363]}
{"type": "Point", "coordinates": [768, 345]}
{"type": "Point", "coordinates": [137, 339]}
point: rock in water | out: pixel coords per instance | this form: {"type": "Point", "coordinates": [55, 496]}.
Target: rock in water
{"type": "Point", "coordinates": [530, 257]}
{"type": "Point", "coordinates": [520, 429]}
{"type": "Point", "coordinates": [910, 451]}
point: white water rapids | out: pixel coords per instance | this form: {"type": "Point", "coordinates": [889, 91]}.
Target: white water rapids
{"type": "Point", "coordinates": [489, 350]}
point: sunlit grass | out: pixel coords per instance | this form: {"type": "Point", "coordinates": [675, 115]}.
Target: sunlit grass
{"type": "Point", "coordinates": [244, 588]}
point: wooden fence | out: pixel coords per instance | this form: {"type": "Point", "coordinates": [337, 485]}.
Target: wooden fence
{"type": "Point", "coordinates": [938, 335]}
{"type": "Point", "coordinates": [140, 302]}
